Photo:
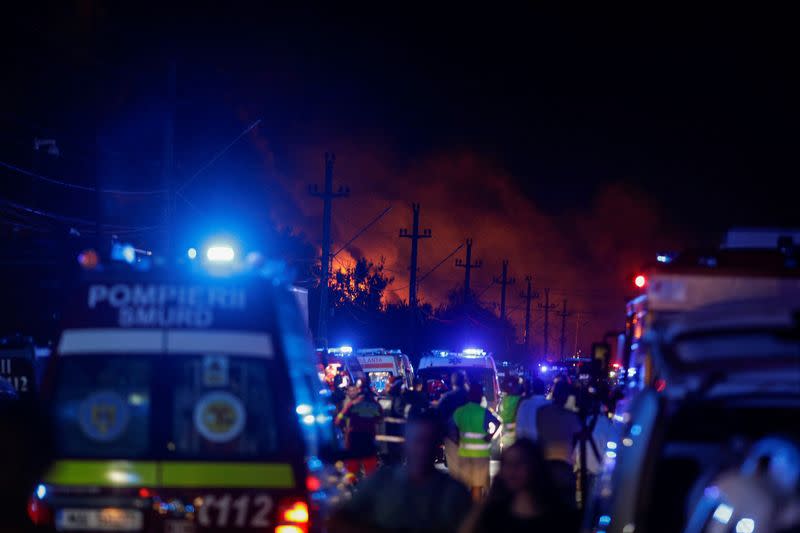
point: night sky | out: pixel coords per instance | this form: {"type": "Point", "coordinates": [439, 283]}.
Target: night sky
{"type": "Point", "coordinates": [575, 144]}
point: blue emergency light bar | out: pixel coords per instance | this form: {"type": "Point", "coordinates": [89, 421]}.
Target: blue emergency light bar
{"type": "Point", "coordinates": [220, 254]}
{"type": "Point", "coordinates": [343, 350]}
{"type": "Point", "coordinates": [473, 352]}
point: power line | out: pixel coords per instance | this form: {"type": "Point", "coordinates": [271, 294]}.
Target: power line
{"type": "Point", "coordinates": [73, 220]}
{"type": "Point", "coordinates": [363, 230]}
{"type": "Point", "coordinates": [440, 263]}
{"type": "Point", "coordinates": [75, 186]}
{"type": "Point", "coordinates": [217, 156]}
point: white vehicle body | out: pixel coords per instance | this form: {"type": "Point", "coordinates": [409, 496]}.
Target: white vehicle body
{"type": "Point", "coordinates": [478, 368]}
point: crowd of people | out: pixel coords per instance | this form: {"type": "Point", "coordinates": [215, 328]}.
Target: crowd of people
{"type": "Point", "coordinates": [433, 474]}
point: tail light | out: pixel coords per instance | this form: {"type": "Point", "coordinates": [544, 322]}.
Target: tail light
{"type": "Point", "coordinates": [39, 512]}
{"type": "Point", "coordinates": [313, 484]}
{"type": "Point", "coordinates": [292, 516]}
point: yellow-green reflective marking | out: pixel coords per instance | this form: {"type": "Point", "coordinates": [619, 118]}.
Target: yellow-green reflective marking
{"type": "Point", "coordinates": [103, 473]}
{"type": "Point", "coordinates": [171, 474]}
{"type": "Point", "coordinates": [227, 475]}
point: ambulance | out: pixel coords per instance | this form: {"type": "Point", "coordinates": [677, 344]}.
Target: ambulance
{"type": "Point", "coordinates": [183, 403]}
{"type": "Point", "coordinates": [381, 364]}
{"type": "Point", "coordinates": [477, 364]}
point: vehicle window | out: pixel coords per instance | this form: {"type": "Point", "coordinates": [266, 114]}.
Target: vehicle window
{"type": "Point", "coordinates": [484, 376]}
{"type": "Point", "coordinates": [102, 406]}
{"type": "Point", "coordinates": [223, 406]}
{"type": "Point", "coordinates": [744, 345]}
{"type": "Point", "coordinates": [379, 380]}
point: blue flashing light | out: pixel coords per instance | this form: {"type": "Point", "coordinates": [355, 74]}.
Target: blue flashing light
{"type": "Point", "coordinates": [41, 491]}
{"type": "Point", "coordinates": [636, 430]}
{"type": "Point", "coordinates": [189, 508]}
{"type": "Point", "coordinates": [545, 368]}
{"type": "Point", "coordinates": [220, 254]}
{"type": "Point", "coordinates": [345, 349]}
{"type": "Point", "coordinates": [663, 258]}
{"type": "Point", "coordinates": [604, 520]}
{"type": "Point", "coordinates": [473, 352]}
{"type": "Point", "coordinates": [611, 445]}
{"type": "Point", "coordinates": [192, 253]}
{"type": "Point", "coordinates": [309, 420]}
{"type": "Point", "coordinates": [611, 455]}
{"type": "Point", "coordinates": [123, 252]}
{"type": "Point", "coordinates": [303, 409]}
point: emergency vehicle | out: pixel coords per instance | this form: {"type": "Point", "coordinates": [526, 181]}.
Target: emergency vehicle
{"type": "Point", "coordinates": [342, 360]}
{"type": "Point", "coordinates": [18, 364]}
{"type": "Point", "coordinates": [744, 268]}
{"type": "Point", "coordinates": [477, 364]}
{"type": "Point", "coordinates": [183, 402]}
{"type": "Point", "coordinates": [701, 453]}
{"type": "Point", "coordinates": [381, 364]}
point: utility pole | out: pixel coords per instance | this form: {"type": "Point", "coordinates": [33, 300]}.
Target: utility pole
{"type": "Point", "coordinates": [563, 314]}
{"type": "Point", "coordinates": [415, 236]}
{"type": "Point", "coordinates": [468, 265]}
{"type": "Point", "coordinates": [504, 281]}
{"type": "Point", "coordinates": [547, 307]}
{"type": "Point", "coordinates": [577, 328]}
{"type": "Point", "coordinates": [528, 297]}
{"type": "Point", "coordinates": [327, 195]}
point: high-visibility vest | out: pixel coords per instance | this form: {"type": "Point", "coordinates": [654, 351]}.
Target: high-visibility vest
{"type": "Point", "coordinates": [470, 420]}
{"type": "Point", "coordinates": [508, 414]}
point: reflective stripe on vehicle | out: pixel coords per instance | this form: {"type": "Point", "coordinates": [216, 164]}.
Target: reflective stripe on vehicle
{"type": "Point", "coordinates": [469, 435]}
{"type": "Point", "coordinates": [227, 475]}
{"type": "Point", "coordinates": [120, 340]}
{"type": "Point", "coordinates": [221, 341]}
{"type": "Point", "coordinates": [111, 340]}
{"type": "Point", "coordinates": [103, 473]}
{"type": "Point", "coordinates": [173, 474]}
{"type": "Point", "coordinates": [471, 446]}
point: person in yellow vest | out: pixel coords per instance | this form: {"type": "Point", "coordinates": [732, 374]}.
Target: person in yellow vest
{"type": "Point", "coordinates": [508, 411]}
{"type": "Point", "coordinates": [475, 426]}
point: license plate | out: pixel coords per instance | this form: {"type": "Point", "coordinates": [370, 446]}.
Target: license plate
{"type": "Point", "coordinates": [179, 526]}
{"type": "Point", "coordinates": [108, 519]}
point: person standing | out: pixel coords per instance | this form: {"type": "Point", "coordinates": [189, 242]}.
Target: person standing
{"type": "Point", "coordinates": [360, 417]}
{"type": "Point", "coordinates": [521, 498]}
{"type": "Point", "coordinates": [394, 423]}
{"type": "Point", "coordinates": [557, 428]}
{"type": "Point", "coordinates": [509, 407]}
{"type": "Point", "coordinates": [526, 414]}
{"type": "Point", "coordinates": [414, 496]}
{"type": "Point", "coordinates": [475, 426]}
{"type": "Point", "coordinates": [415, 399]}
{"type": "Point", "coordinates": [447, 405]}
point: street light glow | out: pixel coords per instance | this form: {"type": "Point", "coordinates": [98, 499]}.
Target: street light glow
{"type": "Point", "coordinates": [220, 254]}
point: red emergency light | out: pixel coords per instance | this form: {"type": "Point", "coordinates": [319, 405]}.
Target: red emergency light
{"type": "Point", "coordinates": [640, 281]}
